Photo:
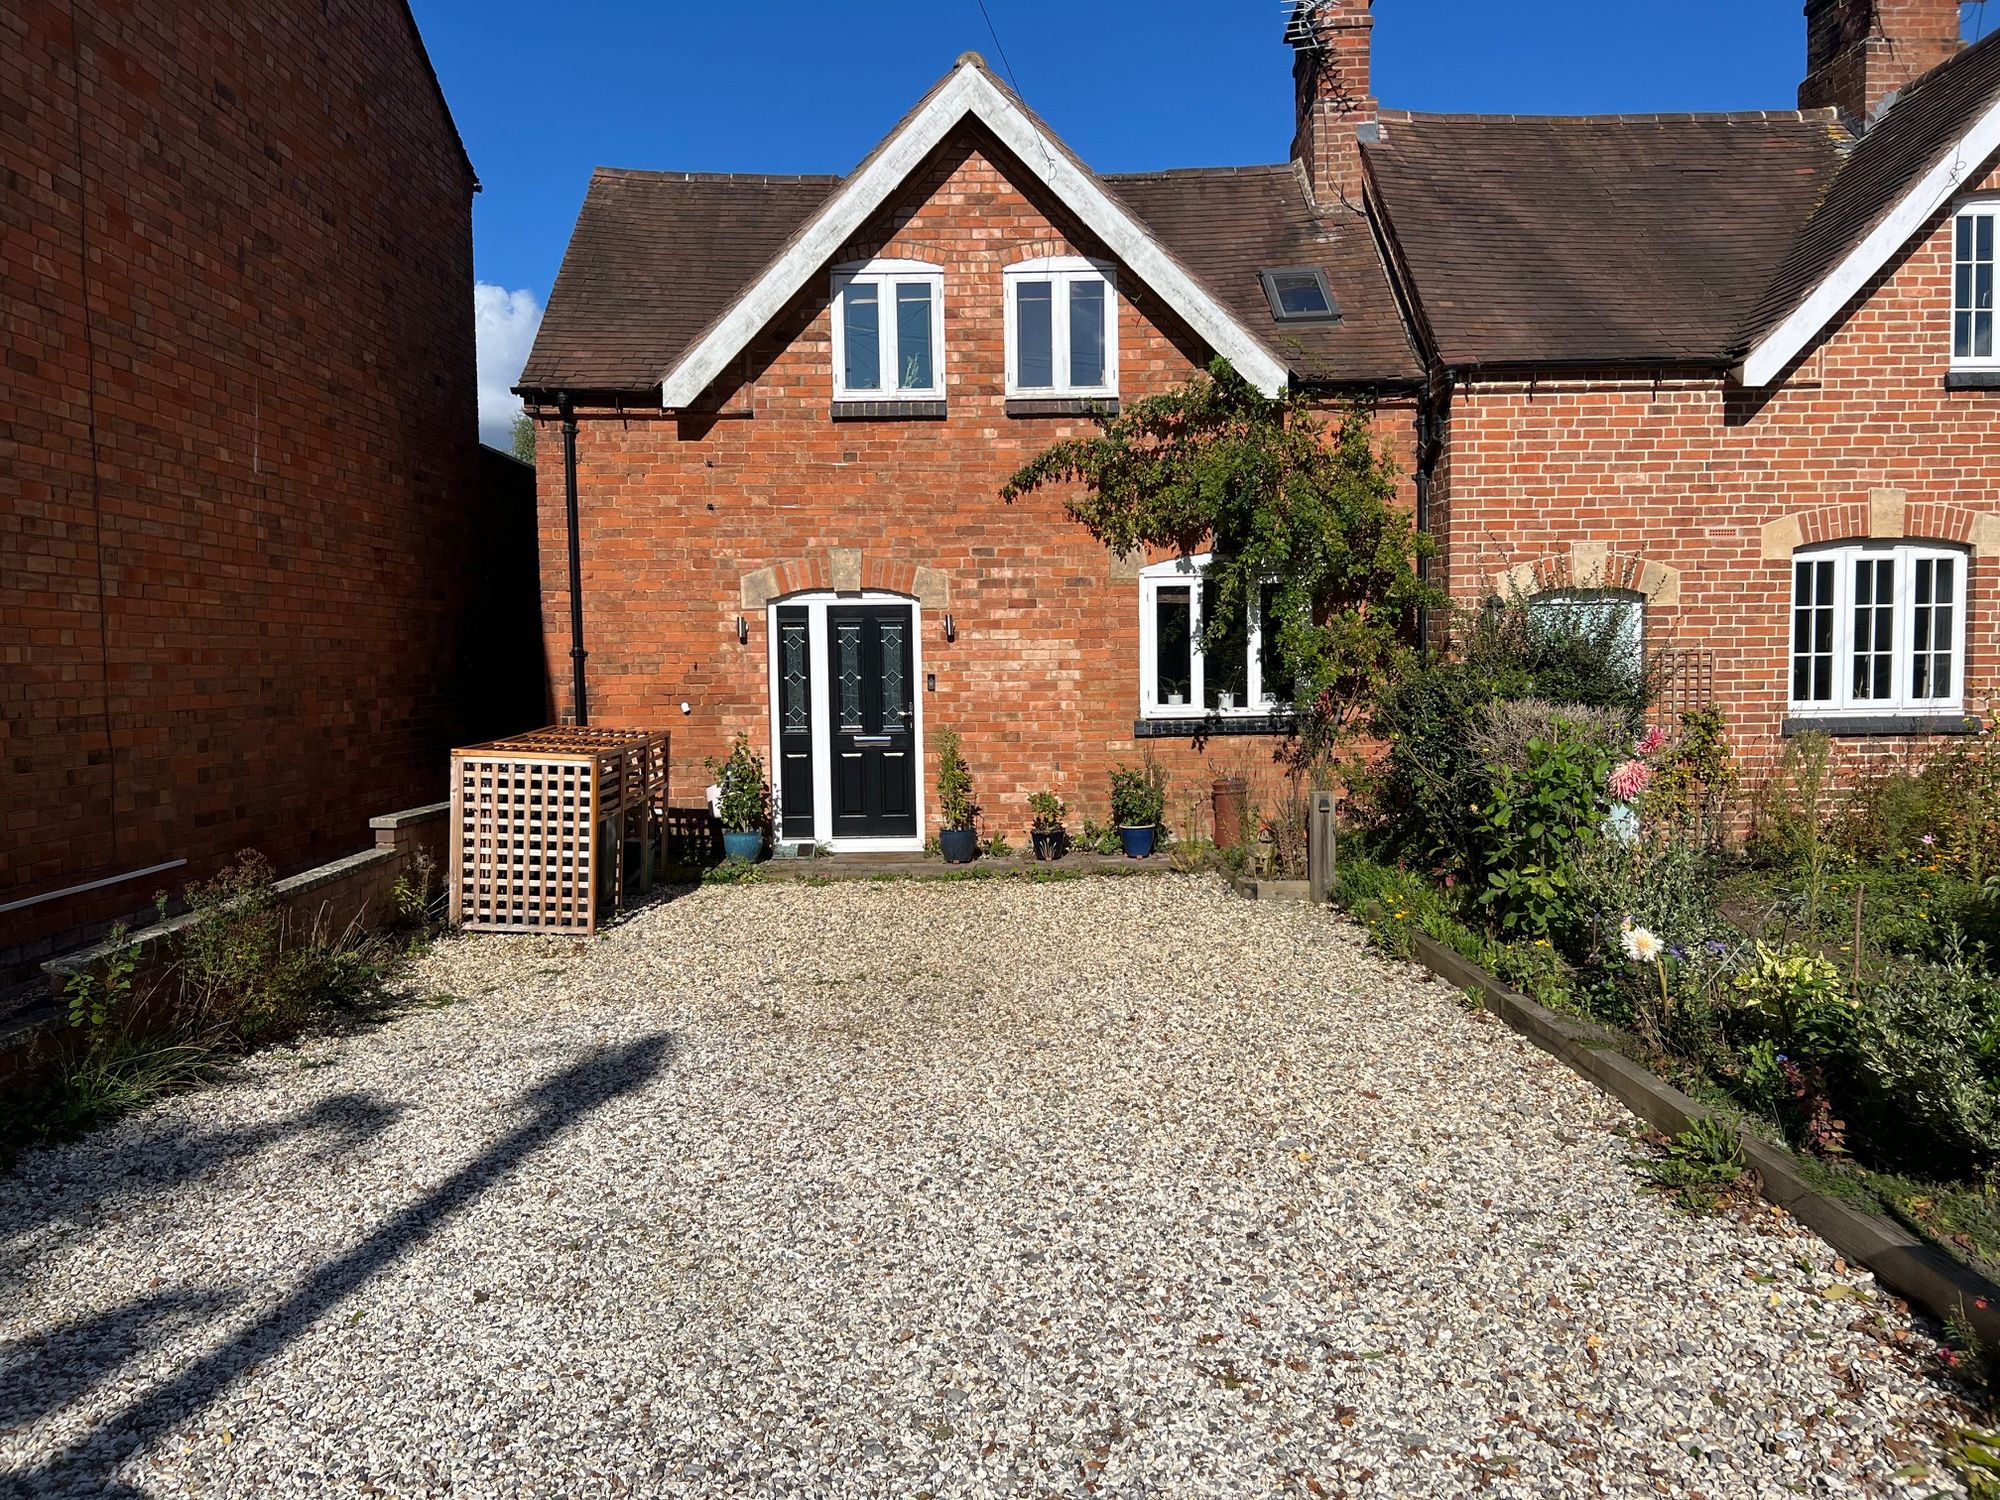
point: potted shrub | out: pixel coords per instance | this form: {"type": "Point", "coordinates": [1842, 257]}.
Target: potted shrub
{"type": "Point", "coordinates": [958, 839]}
{"type": "Point", "coordinates": [1138, 799]}
{"type": "Point", "coordinates": [742, 800]}
{"type": "Point", "coordinates": [1049, 834]}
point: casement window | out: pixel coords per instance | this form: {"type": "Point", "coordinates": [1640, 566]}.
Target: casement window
{"type": "Point", "coordinates": [888, 332]}
{"type": "Point", "coordinates": [1062, 328]}
{"type": "Point", "coordinates": [1973, 233]}
{"type": "Point", "coordinates": [1615, 616]}
{"type": "Point", "coordinates": [1877, 627]}
{"type": "Point", "coordinates": [1240, 675]}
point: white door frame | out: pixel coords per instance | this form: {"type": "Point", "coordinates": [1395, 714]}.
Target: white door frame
{"type": "Point", "coordinates": [816, 604]}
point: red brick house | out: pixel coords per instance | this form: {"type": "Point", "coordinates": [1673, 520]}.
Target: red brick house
{"type": "Point", "coordinates": [243, 509]}
{"type": "Point", "coordinates": [1699, 370]}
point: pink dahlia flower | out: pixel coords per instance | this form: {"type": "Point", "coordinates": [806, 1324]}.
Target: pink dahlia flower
{"type": "Point", "coordinates": [1651, 740]}
{"type": "Point", "coordinates": [1629, 780]}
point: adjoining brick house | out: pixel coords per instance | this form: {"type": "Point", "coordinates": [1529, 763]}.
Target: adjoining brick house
{"type": "Point", "coordinates": [242, 503]}
{"type": "Point", "coordinates": [1734, 375]}
{"type": "Point", "coordinates": [1630, 364]}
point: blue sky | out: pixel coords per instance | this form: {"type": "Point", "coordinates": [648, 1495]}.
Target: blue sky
{"type": "Point", "coordinates": [542, 96]}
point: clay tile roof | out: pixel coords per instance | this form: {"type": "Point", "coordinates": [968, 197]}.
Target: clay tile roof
{"type": "Point", "coordinates": [656, 259]}
{"type": "Point", "coordinates": [1890, 159]}
{"type": "Point", "coordinates": [1227, 224]}
{"type": "Point", "coordinates": [1580, 240]}
{"type": "Point", "coordinates": [653, 258]}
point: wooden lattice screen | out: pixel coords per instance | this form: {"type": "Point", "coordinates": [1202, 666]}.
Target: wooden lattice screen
{"type": "Point", "coordinates": [540, 825]}
{"type": "Point", "coordinates": [1684, 680]}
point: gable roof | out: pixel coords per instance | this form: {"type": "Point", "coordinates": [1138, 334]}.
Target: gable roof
{"type": "Point", "coordinates": [968, 92]}
{"type": "Point", "coordinates": [657, 256]}
{"type": "Point", "coordinates": [1928, 145]}
{"type": "Point", "coordinates": [1627, 239]}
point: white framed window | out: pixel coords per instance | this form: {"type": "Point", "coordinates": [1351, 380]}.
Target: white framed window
{"type": "Point", "coordinates": [1878, 627]}
{"type": "Point", "coordinates": [1062, 328]}
{"type": "Point", "coordinates": [888, 332]}
{"type": "Point", "coordinates": [1240, 676]}
{"type": "Point", "coordinates": [1973, 235]}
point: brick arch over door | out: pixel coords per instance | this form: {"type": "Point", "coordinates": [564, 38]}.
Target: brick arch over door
{"type": "Point", "coordinates": [845, 570]}
{"type": "Point", "coordinates": [1883, 514]}
{"type": "Point", "coordinates": [1590, 565]}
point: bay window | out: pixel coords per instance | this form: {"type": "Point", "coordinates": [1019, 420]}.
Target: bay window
{"type": "Point", "coordinates": [888, 332]}
{"type": "Point", "coordinates": [1062, 328]}
{"type": "Point", "coordinates": [1878, 627]}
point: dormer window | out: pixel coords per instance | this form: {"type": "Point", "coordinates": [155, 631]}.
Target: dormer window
{"type": "Point", "coordinates": [1062, 328]}
{"type": "Point", "coordinates": [888, 332]}
{"type": "Point", "coordinates": [1972, 343]}
{"type": "Point", "coordinates": [1299, 294]}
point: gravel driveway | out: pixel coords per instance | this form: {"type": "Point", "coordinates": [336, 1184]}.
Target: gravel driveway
{"type": "Point", "coordinates": [1115, 1186]}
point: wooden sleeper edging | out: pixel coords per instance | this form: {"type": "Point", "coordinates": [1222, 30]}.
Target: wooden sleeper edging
{"type": "Point", "coordinates": [1900, 1260]}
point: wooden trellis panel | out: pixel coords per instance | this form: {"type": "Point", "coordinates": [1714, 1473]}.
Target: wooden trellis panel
{"type": "Point", "coordinates": [1684, 680]}
{"type": "Point", "coordinates": [540, 823]}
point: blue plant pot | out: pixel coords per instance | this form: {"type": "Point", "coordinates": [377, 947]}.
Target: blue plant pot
{"type": "Point", "coordinates": [744, 846]}
{"type": "Point", "coordinates": [1138, 842]}
{"type": "Point", "coordinates": [959, 846]}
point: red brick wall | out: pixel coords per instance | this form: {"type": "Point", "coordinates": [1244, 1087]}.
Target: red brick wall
{"type": "Point", "coordinates": [1043, 679]}
{"type": "Point", "coordinates": [1682, 474]}
{"type": "Point", "coordinates": [237, 418]}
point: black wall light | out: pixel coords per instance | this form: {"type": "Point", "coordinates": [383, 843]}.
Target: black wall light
{"type": "Point", "coordinates": [950, 628]}
{"type": "Point", "coordinates": [742, 631]}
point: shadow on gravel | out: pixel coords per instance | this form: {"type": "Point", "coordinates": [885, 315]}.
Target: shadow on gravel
{"type": "Point", "coordinates": [45, 1373]}
{"type": "Point", "coordinates": [181, 1152]}
{"type": "Point", "coordinates": [85, 1467]}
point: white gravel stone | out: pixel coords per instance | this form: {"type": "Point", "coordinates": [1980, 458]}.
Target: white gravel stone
{"type": "Point", "coordinates": [1117, 1186]}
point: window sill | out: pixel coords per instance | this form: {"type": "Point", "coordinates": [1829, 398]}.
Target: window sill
{"type": "Point", "coordinates": [1972, 380]}
{"type": "Point", "coordinates": [866, 411]}
{"type": "Point", "coordinates": [1861, 725]}
{"type": "Point", "coordinates": [1062, 406]}
{"type": "Point", "coordinates": [1206, 726]}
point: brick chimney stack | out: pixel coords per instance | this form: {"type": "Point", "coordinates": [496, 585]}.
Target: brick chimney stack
{"type": "Point", "coordinates": [1331, 92]}
{"type": "Point", "coordinates": [1859, 52]}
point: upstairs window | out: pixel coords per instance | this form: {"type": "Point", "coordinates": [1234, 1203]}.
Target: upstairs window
{"type": "Point", "coordinates": [1877, 628]}
{"type": "Point", "coordinates": [888, 332]}
{"type": "Point", "coordinates": [1238, 676]}
{"type": "Point", "coordinates": [1972, 342]}
{"type": "Point", "coordinates": [1299, 294]}
{"type": "Point", "coordinates": [1062, 329]}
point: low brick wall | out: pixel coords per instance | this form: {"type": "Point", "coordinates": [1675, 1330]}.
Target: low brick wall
{"type": "Point", "coordinates": [349, 893]}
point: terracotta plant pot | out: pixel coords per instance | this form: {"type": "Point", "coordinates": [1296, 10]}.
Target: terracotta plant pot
{"type": "Point", "coordinates": [1229, 793]}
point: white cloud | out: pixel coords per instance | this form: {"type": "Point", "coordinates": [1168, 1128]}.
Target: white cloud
{"type": "Point", "coordinates": [505, 324]}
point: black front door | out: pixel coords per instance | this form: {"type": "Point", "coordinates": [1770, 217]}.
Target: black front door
{"type": "Point", "coordinates": [871, 667]}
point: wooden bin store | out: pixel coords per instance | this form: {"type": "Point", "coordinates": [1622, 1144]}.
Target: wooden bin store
{"type": "Point", "coordinates": [546, 825]}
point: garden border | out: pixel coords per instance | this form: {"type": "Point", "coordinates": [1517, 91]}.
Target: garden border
{"type": "Point", "coordinates": [1900, 1260]}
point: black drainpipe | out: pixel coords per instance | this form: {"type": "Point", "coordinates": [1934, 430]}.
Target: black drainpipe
{"type": "Point", "coordinates": [576, 651]}
{"type": "Point", "coordinates": [1428, 449]}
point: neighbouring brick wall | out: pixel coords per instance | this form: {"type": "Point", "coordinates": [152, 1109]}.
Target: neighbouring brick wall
{"type": "Point", "coordinates": [1683, 474]}
{"type": "Point", "coordinates": [237, 436]}
{"type": "Point", "coordinates": [1043, 679]}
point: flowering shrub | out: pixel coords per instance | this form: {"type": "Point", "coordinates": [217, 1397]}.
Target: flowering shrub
{"type": "Point", "coordinates": [1533, 823]}
{"type": "Point", "coordinates": [1629, 780]}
